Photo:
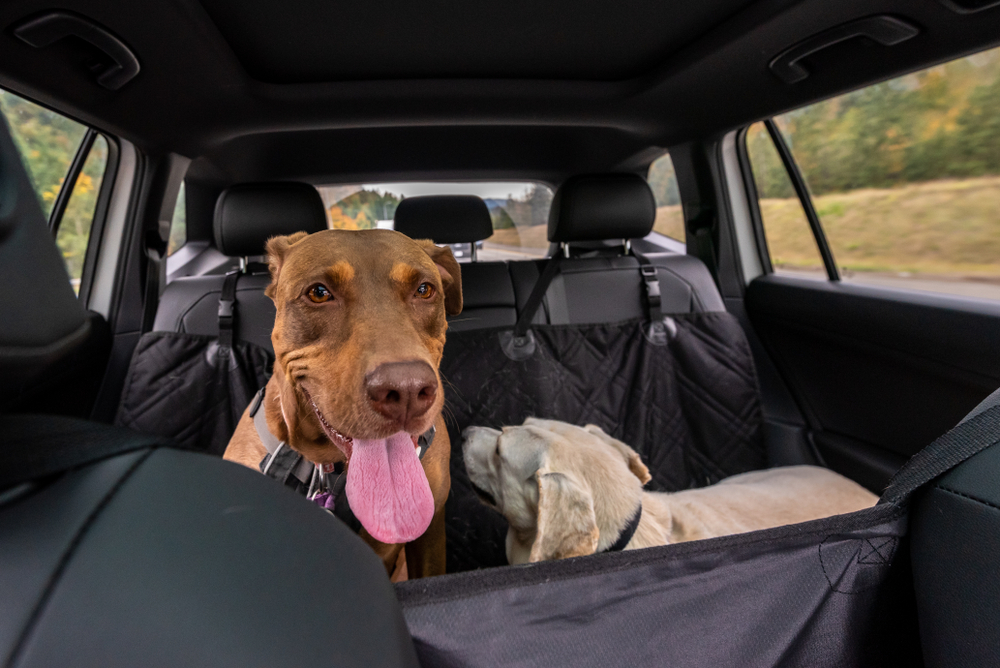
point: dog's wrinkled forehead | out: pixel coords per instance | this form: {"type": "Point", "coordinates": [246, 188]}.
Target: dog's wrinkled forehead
{"type": "Point", "coordinates": [523, 450]}
{"type": "Point", "coordinates": [344, 255]}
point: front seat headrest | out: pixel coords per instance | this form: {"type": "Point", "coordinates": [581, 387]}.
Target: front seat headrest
{"type": "Point", "coordinates": [43, 321]}
{"type": "Point", "coordinates": [248, 214]}
{"type": "Point", "coordinates": [594, 207]}
{"type": "Point", "coordinates": [445, 219]}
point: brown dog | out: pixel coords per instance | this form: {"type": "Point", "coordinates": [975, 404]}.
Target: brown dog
{"type": "Point", "coordinates": [358, 337]}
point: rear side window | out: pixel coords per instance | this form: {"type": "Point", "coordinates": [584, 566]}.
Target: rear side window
{"type": "Point", "coordinates": [49, 143]}
{"type": "Point", "coordinates": [663, 182]}
{"type": "Point", "coordinates": [905, 177]}
{"type": "Point", "coordinates": [519, 211]}
{"type": "Point", "coordinates": [790, 241]}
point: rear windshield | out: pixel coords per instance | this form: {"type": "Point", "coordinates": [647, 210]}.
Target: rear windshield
{"type": "Point", "coordinates": [520, 212]}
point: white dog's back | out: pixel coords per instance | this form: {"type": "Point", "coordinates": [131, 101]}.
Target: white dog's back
{"type": "Point", "coordinates": [753, 501]}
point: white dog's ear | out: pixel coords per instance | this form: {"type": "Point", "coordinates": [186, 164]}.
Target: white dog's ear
{"type": "Point", "coordinates": [632, 458]}
{"type": "Point", "coordinates": [567, 526]}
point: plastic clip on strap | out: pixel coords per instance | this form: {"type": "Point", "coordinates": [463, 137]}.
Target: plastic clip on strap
{"type": "Point", "coordinates": [659, 329]}
{"type": "Point", "coordinates": [227, 308]}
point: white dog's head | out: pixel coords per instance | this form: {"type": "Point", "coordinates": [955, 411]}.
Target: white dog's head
{"type": "Point", "coordinates": [566, 491]}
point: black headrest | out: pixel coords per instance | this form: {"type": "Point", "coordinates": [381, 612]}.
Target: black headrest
{"type": "Point", "coordinates": [445, 219]}
{"type": "Point", "coordinates": [248, 214]}
{"type": "Point", "coordinates": [592, 207]}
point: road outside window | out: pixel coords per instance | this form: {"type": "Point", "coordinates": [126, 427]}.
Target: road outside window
{"type": "Point", "coordinates": [520, 213]}
{"type": "Point", "coordinates": [905, 177]}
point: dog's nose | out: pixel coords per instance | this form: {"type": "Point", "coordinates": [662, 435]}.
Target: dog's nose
{"type": "Point", "coordinates": [402, 391]}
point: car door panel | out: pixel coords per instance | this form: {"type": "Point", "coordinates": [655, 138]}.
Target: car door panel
{"type": "Point", "coordinates": [878, 373]}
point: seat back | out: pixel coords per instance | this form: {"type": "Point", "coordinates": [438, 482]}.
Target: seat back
{"type": "Point", "coordinates": [487, 290]}
{"type": "Point", "coordinates": [246, 216]}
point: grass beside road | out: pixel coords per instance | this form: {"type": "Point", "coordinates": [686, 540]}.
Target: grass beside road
{"type": "Point", "coordinates": [939, 228]}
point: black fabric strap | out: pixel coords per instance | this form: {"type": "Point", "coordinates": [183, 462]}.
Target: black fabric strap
{"type": "Point", "coordinates": [626, 535]}
{"type": "Point", "coordinates": [652, 285]}
{"type": "Point", "coordinates": [37, 446]}
{"type": "Point", "coordinates": [227, 308]}
{"type": "Point", "coordinates": [151, 295]}
{"type": "Point", "coordinates": [967, 439]}
{"type": "Point", "coordinates": [702, 246]}
{"type": "Point", "coordinates": [536, 296]}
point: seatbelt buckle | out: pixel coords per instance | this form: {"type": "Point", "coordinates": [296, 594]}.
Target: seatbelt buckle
{"type": "Point", "coordinates": [226, 308]}
{"type": "Point", "coordinates": [652, 282]}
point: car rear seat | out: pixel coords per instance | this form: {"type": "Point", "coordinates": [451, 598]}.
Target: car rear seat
{"type": "Point", "coordinates": [598, 284]}
{"type": "Point", "coordinates": [246, 215]}
{"type": "Point", "coordinates": [487, 291]}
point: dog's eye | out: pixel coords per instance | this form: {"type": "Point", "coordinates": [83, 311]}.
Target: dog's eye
{"type": "Point", "coordinates": [319, 294]}
{"type": "Point", "coordinates": [425, 290]}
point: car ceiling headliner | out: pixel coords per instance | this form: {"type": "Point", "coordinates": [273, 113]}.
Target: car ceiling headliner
{"type": "Point", "coordinates": [362, 90]}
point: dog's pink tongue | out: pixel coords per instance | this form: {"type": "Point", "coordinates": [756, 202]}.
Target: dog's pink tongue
{"type": "Point", "coordinates": [388, 490]}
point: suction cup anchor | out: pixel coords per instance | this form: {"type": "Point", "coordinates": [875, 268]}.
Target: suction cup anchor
{"type": "Point", "coordinates": [660, 332]}
{"type": "Point", "coordinates": [518, 348]}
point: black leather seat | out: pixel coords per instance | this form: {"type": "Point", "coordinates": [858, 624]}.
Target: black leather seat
{"type": "Point", "coordinates": [600, 283]}
{"type": "Point", "coordinates": [246, 216]}
{"type": "Point", "coordinates": [955, 526]}
{"type": "Point", "coordinates": [144, 555]}
{"type": "Point", "coordinates": [487, 289]}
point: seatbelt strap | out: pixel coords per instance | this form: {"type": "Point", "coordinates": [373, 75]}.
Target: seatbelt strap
{"type": "Point", "coordinates": [536, 296]}
{"type": "Point", "coordinates": [227, 308]}
{"type": "Point", "coordinates": [151, 294]}
{"type": "Point", "coordinates": [38, 446]}
{"type": "Point", "coordinates": [702, 245]}
{"type": "Point", "coordinates": [967, 439]}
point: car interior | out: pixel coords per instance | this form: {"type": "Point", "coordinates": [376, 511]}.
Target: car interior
{"type": "Point", "coordinates": [129, 358]}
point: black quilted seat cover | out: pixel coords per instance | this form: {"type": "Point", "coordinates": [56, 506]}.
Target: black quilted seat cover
{"type": "Point", "coordinates": [188, 388]}
{"type": "Point", "coordinates": [690, 408]}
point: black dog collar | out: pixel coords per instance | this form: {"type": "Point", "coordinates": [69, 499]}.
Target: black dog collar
{"type": "Point", "coordinates": [626, 535]}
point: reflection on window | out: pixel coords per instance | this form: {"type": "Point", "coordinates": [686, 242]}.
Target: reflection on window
{"type": "Point", "coordinates": [663, 182]}
{"type": "Point", "coordinates": [519, 211]}
{"type": "Point", "coordinates": [905, 176]}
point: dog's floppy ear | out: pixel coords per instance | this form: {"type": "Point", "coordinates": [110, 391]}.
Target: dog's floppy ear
{"type": "Point", "coordinates": [632, 458]}
{"type": "Point", "coordinates": [567, 526]}
{"type": "Point", "coordinates": [276, 249]}
{"type": "Point", "coordinates": [451, 274]}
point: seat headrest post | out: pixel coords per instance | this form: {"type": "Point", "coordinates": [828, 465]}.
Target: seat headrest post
{"type": "Point", "coordinates": [444, 219]}
{"type": "Point", "coordinates": [596, 207]}
{"type": "Point", "coordinates": [248, 214]}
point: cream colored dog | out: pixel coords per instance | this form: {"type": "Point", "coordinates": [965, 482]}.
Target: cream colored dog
{"type": "Point", "coordinates": [568, 491]}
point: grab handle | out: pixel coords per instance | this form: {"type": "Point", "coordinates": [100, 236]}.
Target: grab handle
{"type": "Point", "coordinates": [886, 30]}
{"type": "Point", "coordinates": [41, 31]}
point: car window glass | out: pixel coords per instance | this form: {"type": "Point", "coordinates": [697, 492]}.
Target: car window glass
{"type": "Point", "coordinates": [520, 213]}
{"type": "Point", "coordinates": [905, 177]}
{"type": "Point", "coordinates": [663, 182]}
{"type": "Point", "coordinates": [78, 218]}
{"type": "Point", "coordinates": [790, 240]}
{"type": "Point", "coordinates": [178, 224]}
{"type": "Point", "coordinates": [47, 142]}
